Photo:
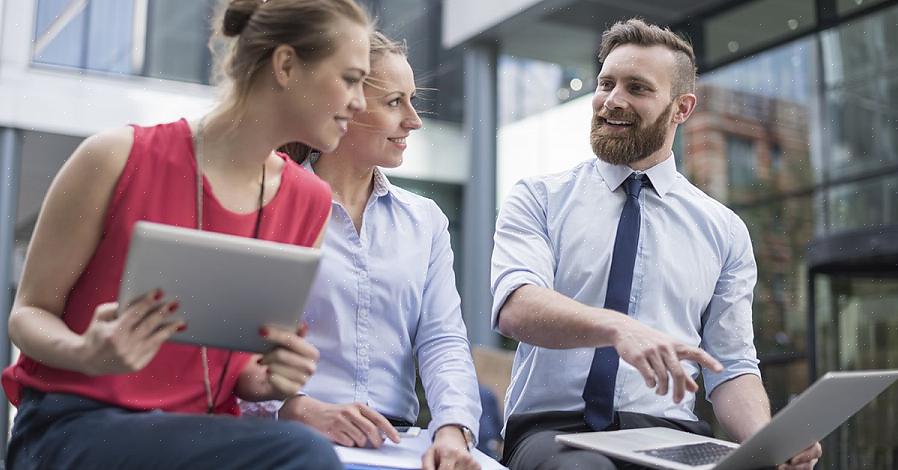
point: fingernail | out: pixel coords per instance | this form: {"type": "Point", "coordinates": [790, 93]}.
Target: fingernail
{"type": "Point", "coordinates": [182, 327]}
{"type": "Point", "coordinates": [173, 306]}
{"type": "Point", "coordinates": [263, 332]}
{"type": "Point", "coordinates": [158, 294]}
{"type": "Point", "coordinates": [259, 361]}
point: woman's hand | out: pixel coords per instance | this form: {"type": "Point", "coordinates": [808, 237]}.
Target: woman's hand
{"type": "Point", "coordinates": [123, 342]}
{"type": "Point", "coordinates": [350, 425]}
{"type": "Point", "coordinates": [290, 365]}
{"type": "Point", "coordinates": [449, 451]}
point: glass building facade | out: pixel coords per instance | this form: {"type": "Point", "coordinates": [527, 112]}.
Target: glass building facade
{"type": "Point", "coordinates": [800, 140]}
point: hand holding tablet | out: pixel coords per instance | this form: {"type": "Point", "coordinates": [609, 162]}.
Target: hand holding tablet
{"type": "Point", "coordinates": [228, 287]}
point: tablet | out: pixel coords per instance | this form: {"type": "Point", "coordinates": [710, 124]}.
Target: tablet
{"type": "Point", "coordinates": [228, 286]}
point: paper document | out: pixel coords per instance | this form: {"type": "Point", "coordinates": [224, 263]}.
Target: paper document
{"type": "Point", "coordinates": [406, 455]}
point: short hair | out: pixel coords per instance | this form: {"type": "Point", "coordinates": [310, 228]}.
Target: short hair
{"type": "Point", "coordinates": [638, 32]}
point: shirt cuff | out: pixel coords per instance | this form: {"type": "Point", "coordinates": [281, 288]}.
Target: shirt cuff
{"type": "Point", "coordinates": [454, 419]}
{"type": "Point", "coordinates": [730, 371]}
{"type": "Point", "coordinates": [507, 286]}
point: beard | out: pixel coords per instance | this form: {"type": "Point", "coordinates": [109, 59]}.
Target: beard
{"type": "Point", "coordinates": [633, 145]}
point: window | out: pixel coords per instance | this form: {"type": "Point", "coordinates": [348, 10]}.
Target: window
{"type": "Point", "coordinates": [92, 35]}
{"type": "Point", "coordinates": [157, 38]}
{"type": "Point", "coordinates": [741, 162]}
{"type": "Point", "coordinates": [860, 66]}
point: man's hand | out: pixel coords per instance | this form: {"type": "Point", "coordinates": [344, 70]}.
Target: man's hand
{"type": "Point", "coordinates": [804, 460]}
{"type": "Point", "coordinates": [657, 356]}
{"type": "Point", "coordinates": [350, 425]}
{"type": "Point", "coordinates": [449, 451]}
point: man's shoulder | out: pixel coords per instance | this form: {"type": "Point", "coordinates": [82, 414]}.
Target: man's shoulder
{"type": "Point", "coordinates": [708, 205]}
{"type": "Point", "coordinates": [563, 180]}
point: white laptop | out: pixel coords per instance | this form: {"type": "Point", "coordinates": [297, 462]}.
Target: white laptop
{"type": "Point", "coordinates": [228, 286]}
{"type": "Point", "coordinates": [809, 418]}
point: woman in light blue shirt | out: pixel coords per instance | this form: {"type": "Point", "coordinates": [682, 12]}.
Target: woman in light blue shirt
{"type": "Point", "coordinates": [385, 295]}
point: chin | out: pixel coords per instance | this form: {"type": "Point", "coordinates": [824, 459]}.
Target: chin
{"type": "Point", "coordinates": [391, 163]}
{"type": "Point", "coordinates": [327, 145]}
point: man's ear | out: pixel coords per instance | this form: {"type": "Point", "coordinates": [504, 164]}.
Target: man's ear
{"type": "Point", "coordinates": [285, 65]}
{"type": "Point", "coordinates": [683, 108]}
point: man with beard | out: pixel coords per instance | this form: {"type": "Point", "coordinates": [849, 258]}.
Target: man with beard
{"type": "Point", "coordinates": [622, 281]}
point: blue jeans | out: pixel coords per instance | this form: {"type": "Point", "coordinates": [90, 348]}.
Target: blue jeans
{"type": "Point", "coordinates": [55, 430]}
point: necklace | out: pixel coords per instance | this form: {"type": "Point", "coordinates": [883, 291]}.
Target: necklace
{"type": "Point", "coordinates": [198, 155]}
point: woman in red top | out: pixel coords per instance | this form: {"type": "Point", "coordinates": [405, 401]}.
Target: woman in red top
{"type": "Point", "coordinates": [96, 385]}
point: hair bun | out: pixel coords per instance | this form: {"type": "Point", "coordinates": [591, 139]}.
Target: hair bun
{"type": "Point", "coordinates": [237, 16]}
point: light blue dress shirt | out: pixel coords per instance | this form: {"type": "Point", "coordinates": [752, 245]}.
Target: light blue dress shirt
{"type": "Point", "coordinates": [693, 279]}
{"type": "Point", "coordinates": [383, 297]}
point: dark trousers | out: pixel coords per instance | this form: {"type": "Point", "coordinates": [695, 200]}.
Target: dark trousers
{"type": "Point", "coordinates": [530, 440]}
{"type": "Point", "coordinates": [60, 431]}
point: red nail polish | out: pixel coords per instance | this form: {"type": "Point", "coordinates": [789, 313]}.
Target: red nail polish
{"type": "Point", "coordinates": [158, 294]}
{"type": "Point", "coordinates": [182, 328]}
{"type": "Point", "coordinates": [173, 306]}
{"type": "Point", "coordinates": [259, 361]}
{"type": "Point", "coordinates": [263, 332]}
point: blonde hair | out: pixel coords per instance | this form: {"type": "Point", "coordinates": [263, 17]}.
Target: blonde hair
{"type": "Point", "coordinates": [382, 45]}
{"type": "Point", "coordinates": [258, 27]}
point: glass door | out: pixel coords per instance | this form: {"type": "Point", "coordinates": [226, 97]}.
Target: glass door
{"type": "Point", "coordinates": [856, 328]}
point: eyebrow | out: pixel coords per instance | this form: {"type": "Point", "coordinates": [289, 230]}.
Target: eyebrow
{"type": "Point", "coordinates": [633, 78]}
{"type": "Point", "coordinates": [400, 94]}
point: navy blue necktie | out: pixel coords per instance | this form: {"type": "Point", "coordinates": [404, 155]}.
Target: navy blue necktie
{"type": "Point", "coordinates": [599, 391]}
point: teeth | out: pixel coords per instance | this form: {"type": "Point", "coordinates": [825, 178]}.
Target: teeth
{"type": "Point", "coordinates": [618, 123]}
{"type": "Point", "coordinates": [398, 140]}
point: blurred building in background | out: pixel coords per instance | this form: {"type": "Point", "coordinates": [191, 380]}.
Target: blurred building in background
{"type": "Point", "coordinates": [796, 130]}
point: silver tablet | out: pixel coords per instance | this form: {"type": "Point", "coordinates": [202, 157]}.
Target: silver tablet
{"type": "Point", "coordinates": [228, 286]}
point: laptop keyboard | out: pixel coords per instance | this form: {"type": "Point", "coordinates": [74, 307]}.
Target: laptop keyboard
{"type": "Point", "coordinates": [691, 454]}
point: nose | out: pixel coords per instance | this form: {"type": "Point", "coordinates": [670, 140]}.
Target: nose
{"type": "Point", "coordinates": [358, 103]}
{"type": "Point", "coordinates": [612, 99]}
{"type": "Point", "coordinates": [412, 121]}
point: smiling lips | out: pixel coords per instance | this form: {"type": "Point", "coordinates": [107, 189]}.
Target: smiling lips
{"type": "Point", "coordinates": [615, 124]}
{"type": "Point", "coordinates": [399, 141]}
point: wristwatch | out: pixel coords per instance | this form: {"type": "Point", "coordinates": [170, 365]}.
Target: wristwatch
{"type": "Point", "coordinates": [469, 437]}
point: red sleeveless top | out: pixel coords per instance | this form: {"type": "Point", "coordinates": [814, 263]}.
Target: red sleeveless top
{"type": "Point", "coordinates": [158, 184]}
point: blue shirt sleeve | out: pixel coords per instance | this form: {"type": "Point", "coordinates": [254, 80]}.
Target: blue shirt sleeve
{"type": "Point", "coordinates": [727, 333]}
{"type": "Point", "coordinates": [441, 341]}
{"type": "Point", "coordinates": [522, 253]}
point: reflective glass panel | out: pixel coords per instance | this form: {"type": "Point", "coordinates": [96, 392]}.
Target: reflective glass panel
{"type": "Point", "coordinates": [749, 138]}
{"type": "Point", "coordinates": [845, 7]}
{"type": "Point", "coordinates": [863, 205]}
{"type": "Point", "coordinates": [860, 64]}
{"type": "Point", "coordinates": [755, 24]}
{"type": "Point", "coordinates": [857, 328]}
{"type": "Point", "coordinates": [95, 35]}
{"type": "Point", "coordinates": [177, 34]}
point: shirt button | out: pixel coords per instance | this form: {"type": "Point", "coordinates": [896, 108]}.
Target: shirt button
{"type": "Point", "coordinates": [363, 352]}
